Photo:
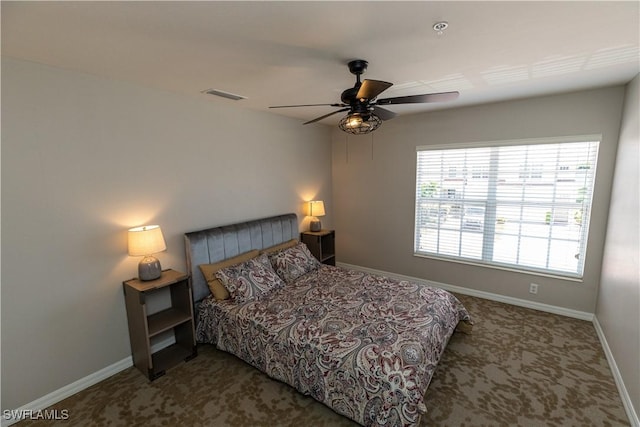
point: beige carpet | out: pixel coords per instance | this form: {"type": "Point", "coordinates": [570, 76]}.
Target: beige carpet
{"type": "Point", "coordinates": [519, 367]}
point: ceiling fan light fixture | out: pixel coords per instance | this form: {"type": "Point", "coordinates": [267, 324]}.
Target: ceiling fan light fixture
{"type": "Point", "coordinates": [355, 124]}
{"type": "Point", "coordinates": [353, 121]}
{"type": "Point", "coordinates": [362, 104]}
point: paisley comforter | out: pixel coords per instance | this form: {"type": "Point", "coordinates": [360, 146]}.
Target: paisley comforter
{"type": "Point", "coordinates": [364, 345]}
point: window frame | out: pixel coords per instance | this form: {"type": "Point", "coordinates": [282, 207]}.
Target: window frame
{"type": "Point", "coordinates": [547, 272]}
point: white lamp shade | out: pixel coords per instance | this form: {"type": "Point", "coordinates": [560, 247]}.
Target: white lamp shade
{"type": "Point", "coordinates": [316, 208]}
{"type": "Point", "coordinates": [146, 240]}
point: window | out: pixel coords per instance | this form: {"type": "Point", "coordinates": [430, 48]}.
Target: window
{"type": "Point", "coordinates": [521, 205]}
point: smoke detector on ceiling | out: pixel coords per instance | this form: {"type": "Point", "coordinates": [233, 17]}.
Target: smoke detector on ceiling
{"type": "Point", "coordinates": [439, 27]}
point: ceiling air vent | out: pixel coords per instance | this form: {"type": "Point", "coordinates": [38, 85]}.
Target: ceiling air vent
{"type": "Point", "coordinates": [224, 94]}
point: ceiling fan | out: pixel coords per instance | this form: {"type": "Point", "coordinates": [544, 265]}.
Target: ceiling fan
{"type": "Point", "coordinates": [365, 114]}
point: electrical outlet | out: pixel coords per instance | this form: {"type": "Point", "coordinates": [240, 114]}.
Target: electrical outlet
{"type": "Point", "coordinates": [533, 288]}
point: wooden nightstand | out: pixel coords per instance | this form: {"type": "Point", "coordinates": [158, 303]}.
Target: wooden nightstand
{"type": "Point", "coordinates": [322, 244]}
{"type": "Point", "coordinates": [143, 327]}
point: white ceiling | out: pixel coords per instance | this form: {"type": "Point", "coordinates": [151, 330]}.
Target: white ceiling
{"type": "Point", "coordinates": [277, 53]}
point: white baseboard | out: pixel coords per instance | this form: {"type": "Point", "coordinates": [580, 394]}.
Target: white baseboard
{"type": "Point", "coordinates": [582, 315]}
{"type": "Point", "coordinates": [79, 385]}
{"type": "Point", "coordinates": [632, 414]}
{"type": "Point", "coordinates": [70, 389]}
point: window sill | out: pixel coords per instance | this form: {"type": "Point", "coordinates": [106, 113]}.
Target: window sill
{"type": "Point", "coordinates": [499, 267]}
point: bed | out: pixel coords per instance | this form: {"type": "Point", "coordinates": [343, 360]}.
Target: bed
{"type": "Point", "coordinates": [365, 345]}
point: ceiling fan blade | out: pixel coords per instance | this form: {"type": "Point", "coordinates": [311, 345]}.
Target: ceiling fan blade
{"type": "Point", "coordinates": [383, 113]}
{"type": "Point", "coordinates": [325, 116]}
{"type": "Point", "coordinates": [372, 88]}
{"type": "Point", "coordinates": [309, 105]}
{"type": "Point", "coordinates": [419, 99]}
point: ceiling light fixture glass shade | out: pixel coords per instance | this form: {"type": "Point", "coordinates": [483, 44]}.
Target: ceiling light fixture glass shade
{"type": "Point", "coordinates": [355, 124]}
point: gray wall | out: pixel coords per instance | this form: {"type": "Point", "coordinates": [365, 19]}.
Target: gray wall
{"type": "Point", "coordinates": [374, 188]}
{"type": "Point", "coordinates": [618, 309]}
{"type": "Point", "coordinates": [83, 160]}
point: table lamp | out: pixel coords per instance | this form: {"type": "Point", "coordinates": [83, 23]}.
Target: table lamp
{"type": "Point", "coordinates": [316, 209]}
{"type": "Point", "coordinates": [145, 241]}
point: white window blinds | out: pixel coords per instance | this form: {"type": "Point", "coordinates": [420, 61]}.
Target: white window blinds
{"type": "Point", "coordinates": [521, 204]}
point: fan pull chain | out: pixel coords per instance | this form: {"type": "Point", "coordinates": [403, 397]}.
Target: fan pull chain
{"type": "Point", "coordinates": [346, 145]}
{"type": "Point", "coordinates": [371, 146]}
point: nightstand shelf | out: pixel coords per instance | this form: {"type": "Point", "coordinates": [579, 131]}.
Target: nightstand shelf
{"type": "Point", "coordinates": [144, 327]}
{"type": "Point", "coordinates": [321, 244]}
{"type": "Point", "coordinates": [171, 356]}
{"type": "Point", "coordinates": [165, 320]}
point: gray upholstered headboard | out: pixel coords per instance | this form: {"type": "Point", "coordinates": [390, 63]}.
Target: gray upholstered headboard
{"type": "Point", "coordinates": [219, 243]}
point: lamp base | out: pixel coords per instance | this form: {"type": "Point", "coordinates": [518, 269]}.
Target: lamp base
{"type": "Point", "coordinates": [315, 225]}
{"type": "Point", "coordinates": [149, 268]}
